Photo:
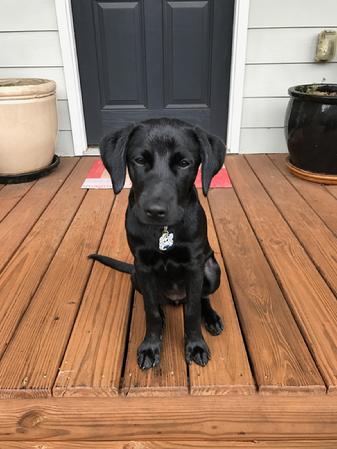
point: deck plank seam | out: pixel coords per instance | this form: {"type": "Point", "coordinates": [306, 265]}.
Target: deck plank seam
{"type": "Point", "coordinates": [132, 299]}
{"type": "Point", "coordinates": [37, 218]}
{"type": "Point", "coordinates": [188, 368]}
{"type": "Point", "coordinates": [17, 324]}
{"type": "Point", "coordinates": [234, 299]}
{"type": "Point", "coordinates": [19, 200]}
{"type": "Point", "coordinates": [279, 282]}
{"type": "Point", "coordinates": [318, 268]}
{"type": "Point", "coordinates": [278, 279]}
{"type": "Point", "coordinates": [331, 191]}
{"type": "Point", "coordinates": [82, 293]}
{"type": "Point", "coordinates": [299, 192]}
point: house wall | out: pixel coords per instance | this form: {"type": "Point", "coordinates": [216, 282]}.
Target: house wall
{"type": "Point", "coordinates": [30, 47]}
{"type": "Point", "coordinates": [280, 53]}
{"type": "Point", "coordinates": [281, 44]}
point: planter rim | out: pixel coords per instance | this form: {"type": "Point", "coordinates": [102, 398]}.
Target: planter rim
{"type": "Point", "coordinates": [25, 88]}
{"type": "Point", "coordinates": [299, 91]}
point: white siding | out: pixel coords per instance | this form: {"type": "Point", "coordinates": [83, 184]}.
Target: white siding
{"type": "Point", "coordinates": [264, 112]}
{"type": "Point", "coordinates": [30, 47]}
{"type": "Point", "coordinates": [281, 46]}
{"type": "Point", "coordinates": [21, 15]}
{"type": "Point", "coordinates": [273, 80]}
{"type": "Point", "coordinates": [63, 115]}
{"type": "Point", "coordinates": [262, 140]}
{"type": "Point", "coordinates": [54, 73]}
{"type": "Point", "coordinates": [292, 13]}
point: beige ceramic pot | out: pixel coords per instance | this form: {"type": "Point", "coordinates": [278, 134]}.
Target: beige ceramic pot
{"type": "Point", "coordinates": [28, 124]}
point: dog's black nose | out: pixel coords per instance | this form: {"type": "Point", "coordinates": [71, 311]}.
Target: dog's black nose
{"type": "Point", "coordinates": [156, 211]}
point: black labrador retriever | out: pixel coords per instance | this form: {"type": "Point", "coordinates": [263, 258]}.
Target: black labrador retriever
{"type": "Point", "coordinates": [166, 226]}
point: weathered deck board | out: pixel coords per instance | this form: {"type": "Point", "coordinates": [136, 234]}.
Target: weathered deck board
{"type": "Point", "coordinates": [266, 264]}
{"type": "Point", "coordinates": [318, 240]}
{"type": "Point", "coordinates": [180, 444]}
{"type": "Point", "coordinates": [316, 195]}
{"type": "Point", "coordinates": [281, 360]}
{"type": "Point", "coordinates": [170, 377]}
{"type": "Point", "coordinates": [198, 418]}
{"type": "Point", "coordinates": [15, 227]}
{"type": "Point", "coordinates": [228, 371]}
{"type": "Point", "coordinates": [332, 190]}
{"type": "Point", "coordinates": [93, 361]}
{"type": "Point", "coordinates": [10, 195]}
{"type": "Point", "coordinates": [30, 363]}
{"type": "Point", "coordinates": [310, 299]}
{"type": "Point", "coordinates": [22, 275]}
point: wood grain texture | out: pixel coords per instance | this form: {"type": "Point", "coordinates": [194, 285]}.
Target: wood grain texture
{"type": "Point", "coordinates": [180, 444]}
{"type": "Point", "coordinates": [310, 299]}
{"type": "Point", "coordinates": [15, 226]}
{"type": "Point", "coordinates": [30, 363]}
{"type": "Point", "coordinates": [240, 418]}
{"type": "Point", "coordinates": [228, 371]}
{"type": "Point", "coordinates": [332, 190]}
{"type": "Point", "coordinates": [23, 273]}
{"type": "Point", "coordinates": [170, 377]}
{"type": "Point", "coordinates": [93, 360]}
{"type": "Point", "coordinates": [318, 240]}
{"type": "Point", "coordinates": [317, 196]}
{"type": "Point", "coordinates": [281, 361]}
{"type": "Point", "coordinates": [11, 194]}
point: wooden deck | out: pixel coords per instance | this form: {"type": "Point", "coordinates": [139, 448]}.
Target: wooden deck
{"type": "Point", "coordinates": [70, 328]}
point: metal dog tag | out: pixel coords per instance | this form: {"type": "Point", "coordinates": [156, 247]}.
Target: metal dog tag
{"type": "Point", "coordinates": [165, 240]}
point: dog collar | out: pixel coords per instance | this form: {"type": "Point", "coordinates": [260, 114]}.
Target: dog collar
{"type": "Point", "coordinates": [165, 240]}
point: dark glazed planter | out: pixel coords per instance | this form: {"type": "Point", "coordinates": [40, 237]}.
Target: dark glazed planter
{"type": "Point", "coordinates": [311, 132]}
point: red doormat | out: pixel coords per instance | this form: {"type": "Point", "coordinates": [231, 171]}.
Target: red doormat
{"type": "Point", "coordinates": [98, 178]}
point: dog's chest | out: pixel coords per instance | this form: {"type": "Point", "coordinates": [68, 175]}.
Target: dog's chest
{"type": "Point", "coordinates": [170, 261]}
{"type": "Point", "coordinates": [169, 269]}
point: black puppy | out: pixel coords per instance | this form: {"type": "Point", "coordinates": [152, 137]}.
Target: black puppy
{"type": "Point", "coordinates": [166, 226]}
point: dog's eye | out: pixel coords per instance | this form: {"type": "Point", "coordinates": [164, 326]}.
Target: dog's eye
{"type": "Point", "coordinates": [183, 163]}
{"type": "Point", "coordinates": [139, 160]}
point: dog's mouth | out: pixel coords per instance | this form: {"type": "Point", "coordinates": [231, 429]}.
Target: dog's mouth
{"type": "Point", "coordinates": [156, 222]}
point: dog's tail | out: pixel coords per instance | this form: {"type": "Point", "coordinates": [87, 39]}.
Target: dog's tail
{"type": "Point", "coordinates": [118, 265]}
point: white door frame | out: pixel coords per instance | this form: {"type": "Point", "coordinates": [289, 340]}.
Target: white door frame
{"type": "Point", "coordinates": [239, 47]}
{"type": "Point", "coordinates": [71, 75]}
{"type": "Point", "coordinates": [73, 86]}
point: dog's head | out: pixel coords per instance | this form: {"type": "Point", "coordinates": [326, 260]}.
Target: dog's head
{"type": "Point", "coordinates": [163, 157]}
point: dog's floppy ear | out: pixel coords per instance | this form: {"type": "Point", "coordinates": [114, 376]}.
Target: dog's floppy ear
{"type": "Point", "coordinates": [212, 153]}
{"type": "Point", "coordinates": [113, 148]}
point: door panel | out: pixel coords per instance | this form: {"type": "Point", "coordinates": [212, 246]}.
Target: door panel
{"type": "Point", "coordinates": [187, 57]}
{"type": "Point", "coordinates": [121, 53]}
{"type": "Point", "coordinates": [153, 58]}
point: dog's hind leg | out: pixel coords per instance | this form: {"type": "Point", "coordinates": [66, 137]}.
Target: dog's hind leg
{"type": "Point", "coordinates": [212, 320]}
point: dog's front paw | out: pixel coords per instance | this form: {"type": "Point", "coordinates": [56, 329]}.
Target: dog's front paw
{"type": "Point", "coordinates": [148, 354]}
{"type": "Point", "coordinates": [197, 351]}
